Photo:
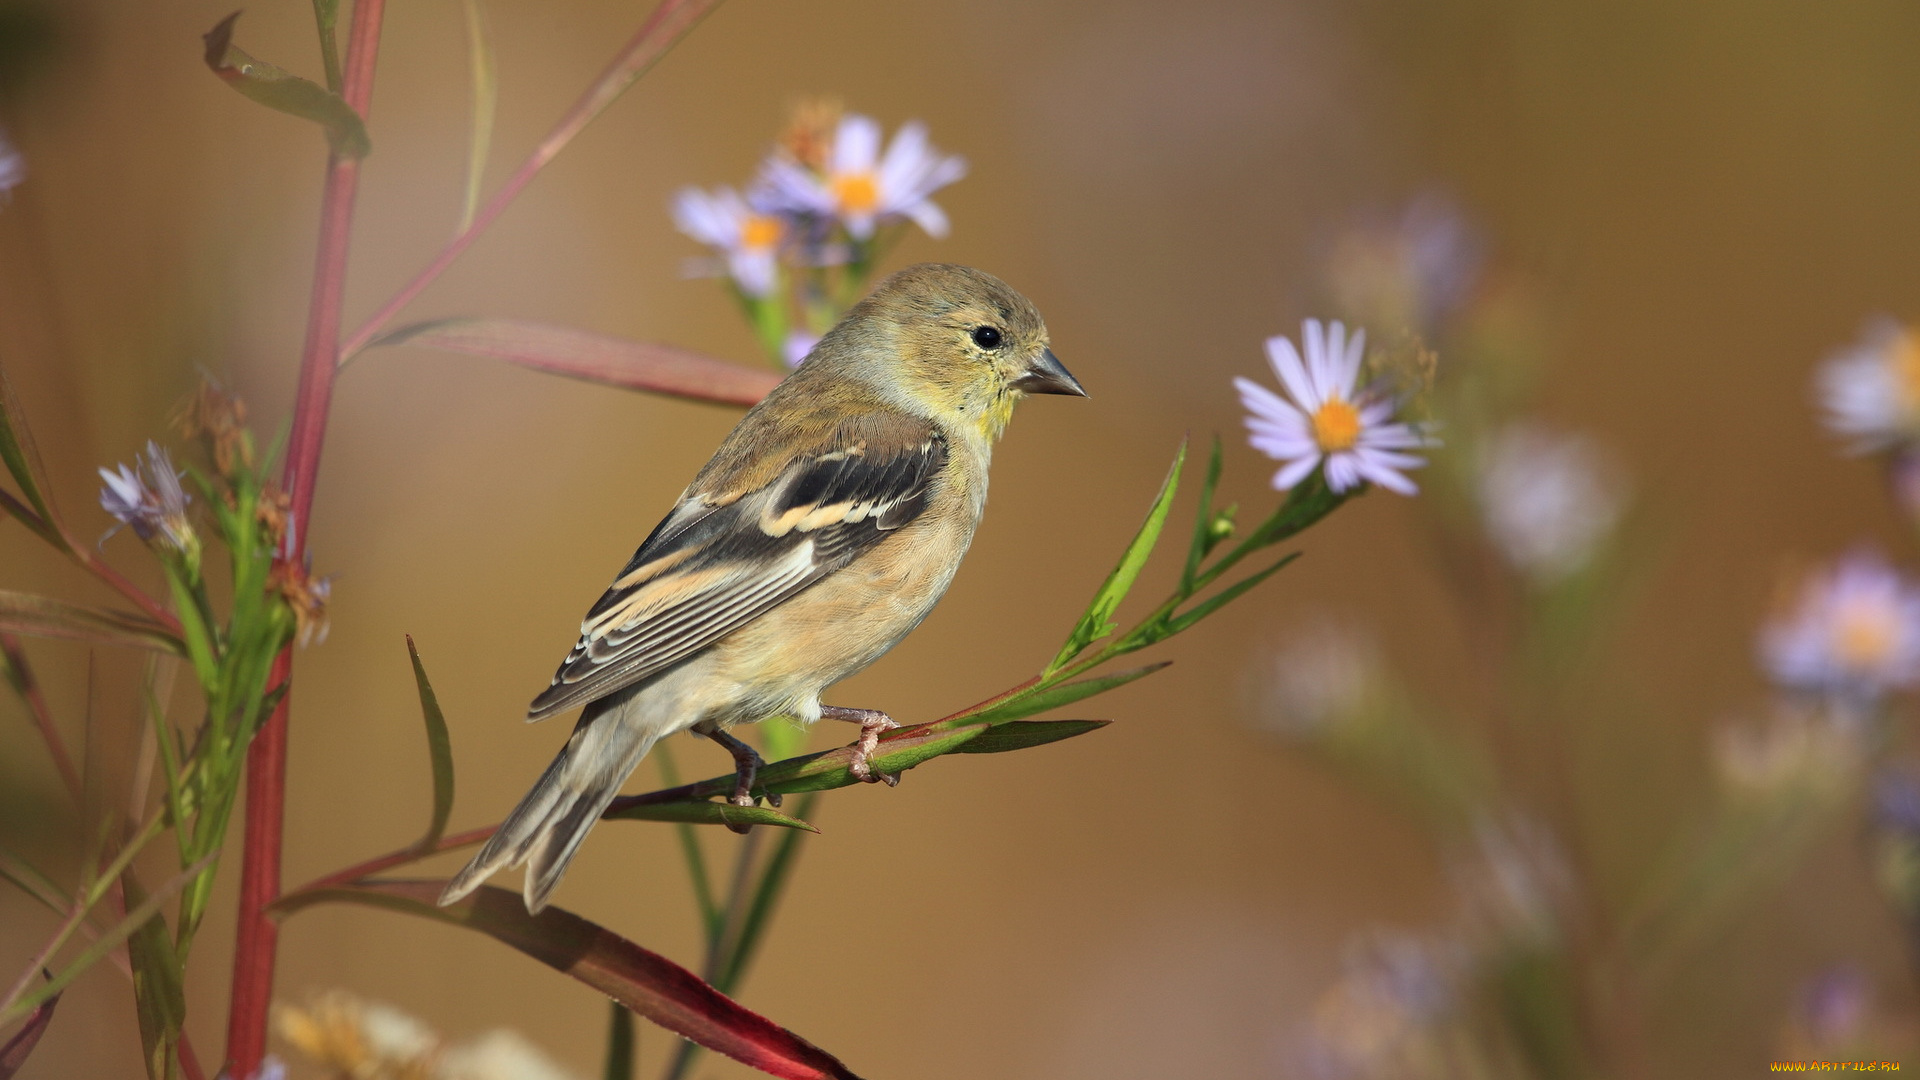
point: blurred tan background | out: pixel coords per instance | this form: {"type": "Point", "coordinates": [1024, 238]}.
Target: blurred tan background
{"type": "Point", "coordinates": [1704, 198]}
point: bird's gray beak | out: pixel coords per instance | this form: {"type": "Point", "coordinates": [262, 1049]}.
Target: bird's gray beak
{"type": "Point", "coordinates": [1049, 376]}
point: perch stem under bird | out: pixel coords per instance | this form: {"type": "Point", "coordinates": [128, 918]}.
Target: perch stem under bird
{"type": "Point", "coordinates": [823, 530]}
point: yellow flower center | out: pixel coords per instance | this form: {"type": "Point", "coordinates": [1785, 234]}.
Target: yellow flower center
{"type": "Point", "coordinates": [760, 231]}
{"type": "Point", "coordinates": [857, 193]}
{"type": "Point", "coordinates": [1336, 426]}
{"type": "Point", "coordinates": [1906, 369]}
{"type": "Point", "coordinates": [1865, 636]}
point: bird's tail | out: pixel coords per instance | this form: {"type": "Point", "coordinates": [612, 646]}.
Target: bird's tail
{"type": "Point", "coordinates": [546, 828]}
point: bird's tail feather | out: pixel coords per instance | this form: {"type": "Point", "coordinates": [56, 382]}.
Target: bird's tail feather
{"type": "Point", "coordinates": [547, 827]}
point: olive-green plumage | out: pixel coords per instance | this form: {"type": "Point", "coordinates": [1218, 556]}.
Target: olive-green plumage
{"type": "Point", "coordinates": [823, 530]}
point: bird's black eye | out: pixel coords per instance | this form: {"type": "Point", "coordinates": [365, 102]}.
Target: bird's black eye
{"type": "Point", "coordinates": [987, 337]}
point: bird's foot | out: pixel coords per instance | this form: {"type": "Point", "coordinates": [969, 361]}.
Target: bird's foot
{"type": "Point", "coordinates": [746, 766]}
{"type": "Point", "coordinates": [872, 722]}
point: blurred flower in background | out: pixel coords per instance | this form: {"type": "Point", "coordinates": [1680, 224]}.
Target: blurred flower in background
{"type": "Point", "coordinates": [799, 344]}
{"type": "Point", "coordinates": [366, 1040]}
{"type": "Point", "coordinates": [1871, 389]}
{"type": "Point", "coordinates": [747, 240]}
{"type": "Point", "coordinates": [1414, 271]}
{"type": "Point", "coordinates": [1793, 750]}
{"type": "Point", "coordinates": [1548, 499]}
{"type": "Point", "coordinates": [853, 182]}
{"type": "Point", "coordinates": [1854, 632]}
{"type": "Point", "coordinates": [1328, 419]}
{"type": "Point", "coordinates": [1320, 677]}
{"type": "Point", "coordinates": [13, 166]}
{"type": "Point", "coordinates": [1385, 1015]}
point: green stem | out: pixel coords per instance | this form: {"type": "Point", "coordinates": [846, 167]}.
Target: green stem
{"type": "Point", "coordinates": [619, 1043]}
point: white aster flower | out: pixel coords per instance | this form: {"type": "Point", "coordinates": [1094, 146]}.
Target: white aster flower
{"type": "Point", "coordinates": [747, 238]}
{"type": "Point", "coordinates": [864, 188]}
{"type": "Point", "coordinates": [1328, 418]}
{"type": "Point", "coordinates": [1855, 632]}
{"type": "Point", "coordinates": [498, 1055]}
{"type": "Point", "coordinates": [1547, 499]}
{"type": "Point", "coordinates": [148, 499]}
{"type": "Point", "coordinates": [1871, 389]}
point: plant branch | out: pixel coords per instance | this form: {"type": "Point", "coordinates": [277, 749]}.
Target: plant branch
{"type": "Point", "coordinates": [256, 935]}
{"type": "Point", "coordinates": [28, 688]}
{"type": "Point", "coordinates": [667, 25]}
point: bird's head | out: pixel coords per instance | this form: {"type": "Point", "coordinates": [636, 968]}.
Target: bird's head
{"type": "Point", "coordinates": [958, 343]}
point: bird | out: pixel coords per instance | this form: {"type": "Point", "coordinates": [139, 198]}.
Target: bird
{"type": "Point", "coordinates": [823, 530]}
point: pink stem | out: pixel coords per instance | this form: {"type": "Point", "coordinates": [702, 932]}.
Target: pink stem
{"type": "Point", "coordinates": [668, 23]}
{"type": "Point", "coordinates": [257, 936]}
{"type": "Point", "coordinates": [42, 716]}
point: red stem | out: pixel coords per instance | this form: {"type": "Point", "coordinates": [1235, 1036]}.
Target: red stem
{"type": "Point", "coordinates": [42, 716]}
{"type": "Point", "coordinates": [668, 23]}
{"type": "Point", "coordinates": [257, 936]}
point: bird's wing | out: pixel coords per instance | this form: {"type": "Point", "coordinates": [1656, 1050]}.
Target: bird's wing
{"type": "Point", "coordinates": [722, 558]}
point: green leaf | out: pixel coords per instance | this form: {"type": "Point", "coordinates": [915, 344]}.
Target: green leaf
{"type": "Point", "coordinates": [816, 772]}
{"type": "Point", "coordinates": [486, 96]}
{"type": "Point", "coordinates": [1204, 538]}
{"type": "Point", "coordinates": [1097, 622]}
{"type": "Point", "coordinates": [598, 358]}
{"type": "Point", "coordinates": [276, 89]}
{"type": "Point", "coordinates": [16, 509]}
{"type": "Point", "coordinates": [1021, 734]}
{"type": "Point", "coordinates": [14, 1052]}
{"type": "Point", "coordinates": [41, 616]}
{"type": "Point", "coordinates": [619, 1043]}
{"type": "Point", "coordinates": [1228, 595]}
{"type": "Point", "coordinates": [23, 461]}
{"type": "Point", "coordinates": [439, 750]}
{"type": "Point", "coordinates": [649, 984]}
{"type": "Point", "coordinates": [1053, 697]}
{"type": "Point", "coordinates": [709, 813]}
{"type": "Point", "coordinates": [326, 15]}
{"type": "Point", "coordinates": [159, 998]}
{"type": "Point", "coordinates": [766, 894]}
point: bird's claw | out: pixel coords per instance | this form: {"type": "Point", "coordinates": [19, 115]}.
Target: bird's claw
{"type": "Point", "coordinates": [872, 722]}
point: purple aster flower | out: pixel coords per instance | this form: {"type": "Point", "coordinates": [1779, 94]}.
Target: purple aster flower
{"type": "Point", "coordinates": [1855, 631]}
{"type": "Point", "coordinates": [148, 499]}
{"type": "Point", "coordinates": [747, 239]}
{"type": "Point", "coordinates": [1871, 389]}
{"type": "Point", "coordinates": [1325, 418]}
{"type": "Point", "coordinates": [864, 188]}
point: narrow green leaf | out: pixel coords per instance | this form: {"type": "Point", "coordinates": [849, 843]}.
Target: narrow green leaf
{"type": "Point", "coordinates": [17, 450]}
{"type": "Point", "coordinates": [1097, 622]}
{"type": "Point", "coordinates": [599, 358]}
{"type": "Point", "coordinates": [277, 89]}
{"type": "Point", "coordinates": [766, 895]}
{"type": "Point", "coordinates": [1054, 697]}
{"type": "Point", "coordinates": [140, 922]}
{"type": "Point", "coordinates": [816, 772]}
{"type": "Point", "coordinates": [1221, 599]}
{"type": "Point", "coordinates": [15, 1051]}
{"type": "Point", "coordinates": [619, 1043]}
{"type": "Point", "coordinates": [159, 996]}
{"type": "Point", "coordinates": [41, 528]}
{"type": "Point", "coordinates": [649, 984]}
{"type": "Point", "coordinates": [439, 750]}
{"type": "Point", "coordinates": [41, 616]}
{"type": "Point", "coordinates": [1203, 536]}
{"type": "Point", "coordinates": [32, 882]}
{"type": "Point", "coordinates": [486, 96]}
{"type": "Point", "coordinates": [710, 813]}
{"type": "Point", "coordinates": [326, 16]}
{"type": "Point", "coordinates": [1021, 734]}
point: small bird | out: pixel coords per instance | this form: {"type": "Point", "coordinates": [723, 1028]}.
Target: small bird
{"type": "Point", "coordinates": [823, 531]}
